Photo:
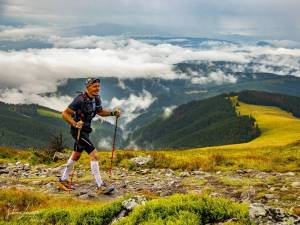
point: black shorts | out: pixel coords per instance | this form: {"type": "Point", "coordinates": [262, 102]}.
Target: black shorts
{"type": "Point", "coordinates": [84, 142]}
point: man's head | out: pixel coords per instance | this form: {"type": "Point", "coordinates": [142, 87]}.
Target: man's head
{"type": "Point", "coordinates": [92, 86]}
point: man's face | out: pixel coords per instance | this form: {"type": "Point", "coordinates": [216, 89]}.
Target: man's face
{"type": "Point", "coordinates": [94, 89]}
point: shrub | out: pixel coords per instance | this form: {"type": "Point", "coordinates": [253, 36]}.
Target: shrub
{"type": "Point", "coordinates": [187, 209]}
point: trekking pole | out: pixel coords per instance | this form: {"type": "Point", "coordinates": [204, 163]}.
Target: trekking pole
{"type": "Point", "coordinates": [113, 147]}
{"type": "Point", "coordinates": [72, 174]}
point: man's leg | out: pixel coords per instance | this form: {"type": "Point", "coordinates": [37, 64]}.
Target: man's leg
{"type": "Point", "coordinates": [95, 167]}
{"type": "Point", "coordinates": [70, 164]}
{"type": "Point", "coordinates": [102, 186]}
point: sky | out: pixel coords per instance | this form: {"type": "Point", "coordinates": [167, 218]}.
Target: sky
{"type": "Point", "coordinates": [264, 19]}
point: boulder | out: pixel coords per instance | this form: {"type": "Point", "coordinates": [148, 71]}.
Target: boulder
{"type": "Point", "coordinates": [140, 160]}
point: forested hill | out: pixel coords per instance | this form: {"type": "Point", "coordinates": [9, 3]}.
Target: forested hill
{"type": "Point", "coordinates": [285, 102]}
{"type": "Point", "coordinates": [208, 122]}
{"type": "Point", "coordinates": [25, 126]}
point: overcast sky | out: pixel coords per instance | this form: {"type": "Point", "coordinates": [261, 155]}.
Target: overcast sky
{"type": "Point", "coordinates": [60, 43]}
{"type": "Point", "coordinates": [265, 19]}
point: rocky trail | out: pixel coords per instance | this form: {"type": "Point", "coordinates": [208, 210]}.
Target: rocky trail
{"type": "Point", "coordinates": [274, 197]}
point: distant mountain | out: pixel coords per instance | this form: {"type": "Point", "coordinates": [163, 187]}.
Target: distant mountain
{"type": "Point", "coordinates": [24, 126]}
{"type": "Point", "coordinates": [169, 93]}
{"type": "Point", "coordinates": [208, 122]}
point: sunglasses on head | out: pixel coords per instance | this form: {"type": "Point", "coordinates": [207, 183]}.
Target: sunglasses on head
{"type": "Point", "coordinates": [91, 81]}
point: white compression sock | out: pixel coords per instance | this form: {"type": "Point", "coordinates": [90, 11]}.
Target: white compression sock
{"type": "Point", "coordinates": [68, 169]}
{"type": "Point", "coordinates": [96, 172]}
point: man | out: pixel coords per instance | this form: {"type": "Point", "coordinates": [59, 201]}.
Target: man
{"type": "Point", "coordinates": [79, 115]}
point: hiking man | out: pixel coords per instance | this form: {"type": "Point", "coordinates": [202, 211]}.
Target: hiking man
{"type": "Point", "coordinates": [79, 115]}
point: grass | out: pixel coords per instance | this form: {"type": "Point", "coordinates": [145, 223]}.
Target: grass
{"type": "Point", "coordinates": [240, 182]}
{"type": "Point", "coordinates": [44, 112]}
{"type": "Point", "coordinates": [38, 208]}
{"type": "Point", "coordinates": [25, 207]}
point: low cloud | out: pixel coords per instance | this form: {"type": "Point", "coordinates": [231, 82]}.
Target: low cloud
{"type": "Point", "coordinates": [217, 77]}
{"type": "Point", "coordinates": [168, 111]}
{"type": "Point", "coordinates": [12, 33]}
{"type": "Point", "coordinates": [14, 96]}
{"type": "Point", "coordinates": [104, 144]}
{"type": "Point", "coordinates": [133, 106]}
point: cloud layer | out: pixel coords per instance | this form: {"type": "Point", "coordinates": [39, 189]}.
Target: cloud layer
{"type": "Point", "coordinates": [28, 74]}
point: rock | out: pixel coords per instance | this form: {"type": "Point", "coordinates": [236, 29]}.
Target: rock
{"type": "Point", "coordinates": [198, 173]}
{"type": "Point", "coordinates": [257, 210]}
{"type": "Point", "coordinates": [60, 156]}
{"type": "Point", "coordinates": [18, 163]}
{"type": "Point", "coordinates": [131, 203]}
{"type": "Point", "coordinates": [171, 183]}
{"type": "Point", "coordinates": [262, 215]}
{"type": "Point", "coordinates": [170, 173]}
{"type": "Point", "coordinates": [269, 196]}
{"type": "Point", "coordinates": [92, 195]}
{"type": "Point", "coordinates": [84, 196]}
{"type": "Point", "coordinates": [3, 166]}
{"type": "Point", "coordinates": [4, 171]}
{"type": "Point", "coordinates": [284, 189]}
{"type": "Point", "coordinates": [140, 160]}
{"type": "Point", "coordinates": [296, 184]}
{"type": "Point", "coordinates": [49, 185]}
{"type": "Point", "coordinates": [26, 167]}
{"type": "Point", "coordinates": [272, 189]}
{"type": "Point", "coordinates": [165, 193]}
{"type": "Point", "coordinates": [290, 174]}
{"type": "Point", "coordinates": [144, 171]}
{"type": "Point", "coordinates": [122, 214]}
{"type": "Point", "coordinates": [184, 174]}
{"type": "Point", "coordinates": [215, 195]}
{"type": "Point", "coordinates": [219, 172]}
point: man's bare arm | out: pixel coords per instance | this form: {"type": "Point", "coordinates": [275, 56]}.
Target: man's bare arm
{"type": "Point", "coordinates": [67, 116]}
{"type": "Point", "coordinates": [104, 113]}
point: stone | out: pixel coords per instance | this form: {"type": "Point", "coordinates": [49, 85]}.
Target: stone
{"type": "Point", "coordinates": [140, 160]}
{"type": "Point", "coordinates": [60, 156]}
{"type": "Point", "coordinates": [215, 195]}
{"type": "Point", "coordinates": [4, 171]}
{"type": "Point", "coordinates": [84, 196]}
{"type": "Point", "coordinates": [26, 167]}
{"type": "Point", "coordinates": [284, 189]}
{"type": "Point", "coordinates": [144, 171]}
{"type": "Point", "coordinates": [49, 185]}
{"type": "Point", "coordinates": [257, 210]}
{"type": "Point", "coordinates": [272, 189]}
{"type": "Point", "coordinates": [296, 184]}
{"type": "Point", "coordinates": [269, 196]}
{"type": "Point", "coordinates": [290, 174]}
{"type": "Point", "coordinates": [184, 174]}
{"type": "Point", "coordinates": [131, 203]}
{"type": "Point", "coordinates": [3, 166]}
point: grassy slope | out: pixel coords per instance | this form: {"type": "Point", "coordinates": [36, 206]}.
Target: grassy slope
{"type": "Point", "coordinates": [277, 148]}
